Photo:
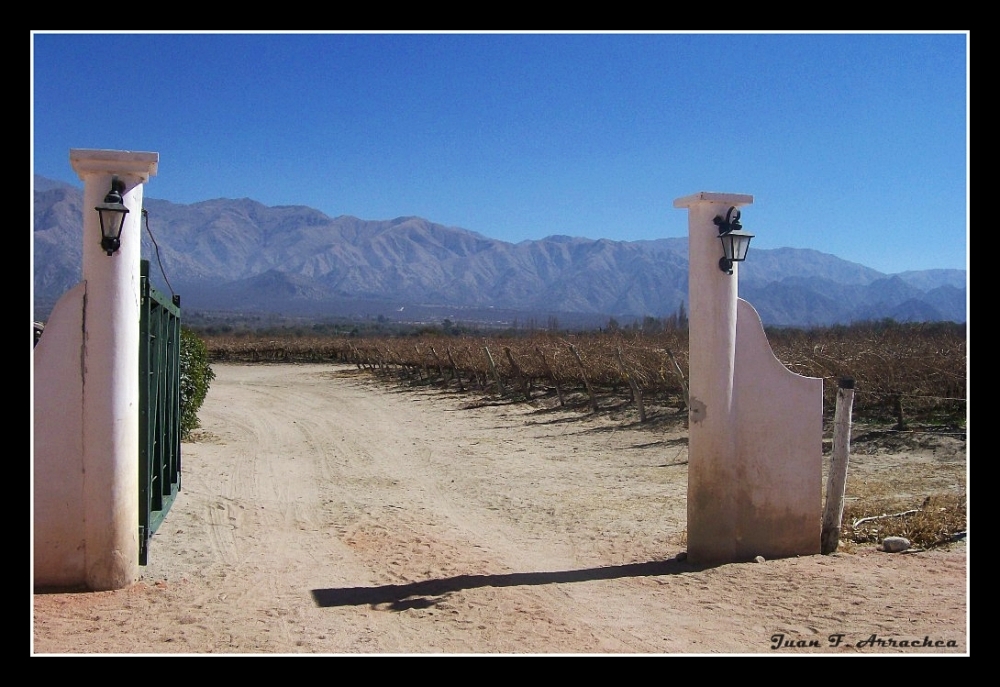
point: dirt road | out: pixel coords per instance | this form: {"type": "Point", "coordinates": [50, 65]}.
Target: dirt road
{"type": "Point", "coordinates": [324, 512]}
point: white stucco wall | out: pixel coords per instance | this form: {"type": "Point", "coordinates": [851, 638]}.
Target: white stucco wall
{"type": "Point", "coordinates": [755, 427]}
{"type": "Point", "coordinates": [89, 468]}
{"type": "Point", "coordinates": [779, 449]}
{"type": "Point", "coordinates": [712, 469]}
{"type": "Point", "coordinates": [59, 542]}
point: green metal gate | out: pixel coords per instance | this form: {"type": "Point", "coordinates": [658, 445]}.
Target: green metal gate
{"type": "Point", "coordinates": [159, 407]}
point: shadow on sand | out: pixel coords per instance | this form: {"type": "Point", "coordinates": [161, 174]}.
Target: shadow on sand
{"type": "Point", "coordinates": [401, 597]}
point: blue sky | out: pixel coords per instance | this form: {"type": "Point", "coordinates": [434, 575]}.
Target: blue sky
{"type": "Point", "coordinates": [851, 144]}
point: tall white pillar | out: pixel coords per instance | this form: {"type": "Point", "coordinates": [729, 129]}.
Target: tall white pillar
{"type": "Point", "coordinates": [712, 465]}
{"type": "Point", "coordinates": [110, 368]}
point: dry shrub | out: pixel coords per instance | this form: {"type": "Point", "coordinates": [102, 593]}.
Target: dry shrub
{"type": "Point", "coordinates": [935, 520]}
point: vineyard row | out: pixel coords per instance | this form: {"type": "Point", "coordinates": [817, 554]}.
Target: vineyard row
{"type": "Point", "coordinates": [903, 374]}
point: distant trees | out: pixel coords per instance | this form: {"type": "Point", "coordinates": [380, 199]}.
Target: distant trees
{"type": "Point", "coordinates": [675, 321]}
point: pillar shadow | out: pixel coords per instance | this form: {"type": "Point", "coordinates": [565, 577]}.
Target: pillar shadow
{"type": "Point", "coordinates": [401, 597]}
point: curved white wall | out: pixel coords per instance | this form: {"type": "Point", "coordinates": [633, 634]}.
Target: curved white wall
{"type": "Point", "coordinates": [755, 428]}
{"type": "Point", "coordinates": [778, 493]}
{"type": "Point", "coordinates": [59, 544]}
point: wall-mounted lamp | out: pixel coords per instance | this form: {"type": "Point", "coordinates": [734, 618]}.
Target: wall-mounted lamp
{"type": "Point", "coordinates": [735, 241]}
{"type": "Point", "coordinates": [112, 213]}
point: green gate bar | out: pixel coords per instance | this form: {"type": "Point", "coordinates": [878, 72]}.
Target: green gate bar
{"type": "Point", "coordinates": [159, 408]}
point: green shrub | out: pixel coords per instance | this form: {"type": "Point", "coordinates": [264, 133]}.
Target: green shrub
{"type": "Point", "coordinates": [196, 377]}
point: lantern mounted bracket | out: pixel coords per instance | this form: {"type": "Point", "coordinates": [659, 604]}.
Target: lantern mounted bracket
{"type": "Point", "coordinates": [112, 213]}
{"type": "Point", "coordinates": [735, 241]}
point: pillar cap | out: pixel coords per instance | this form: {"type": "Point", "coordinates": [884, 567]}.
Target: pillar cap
{"type": "Point", "coordinates": [734, 199]}
{"type": "Point", "coordinates": [135, 165]}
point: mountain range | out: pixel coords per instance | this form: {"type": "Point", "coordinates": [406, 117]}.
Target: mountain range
{"type": "Point", "coordinates": [240, 256]}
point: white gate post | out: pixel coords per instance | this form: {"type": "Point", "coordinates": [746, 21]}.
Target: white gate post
{"type": "Point", "coordinates": [110, 369]}
{"type": "Point", "coordinates": [755, 427]}
{"type": "Point", "coordinates": [712, 464]}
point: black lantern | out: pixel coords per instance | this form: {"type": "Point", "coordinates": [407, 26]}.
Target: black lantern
{"type": "Point", "coordinates": [112, 213]}
{"type": "Point", "coordinates": [735, 241]}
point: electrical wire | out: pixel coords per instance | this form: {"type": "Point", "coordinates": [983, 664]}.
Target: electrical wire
{"type": "Point", "coordinates": [145, 215]}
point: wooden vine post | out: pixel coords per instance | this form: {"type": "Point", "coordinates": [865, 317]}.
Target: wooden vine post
{"type": "Point", "coordinates": [390, 355]}
{"type": "Point", "coordinates": [454, 370]}
{"type": "Point", "coordinates": [836, 481]}
{"type": "Point", "coordinates": [493, 369]}
{"type": "Point", "coordinates": [583, 373]}
{"type": "Point", "coordinates": [552, 375]}
{"type": "Point", "coordinates": [681, 377]}
{"type": "Point", "coordinates": [630, 378]}
{"type": "Point", "coordinates": [437, 361]}
{"type": "Point", "coordinates": [518, 375]}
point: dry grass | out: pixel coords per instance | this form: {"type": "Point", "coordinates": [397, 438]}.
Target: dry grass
{"type": "Point", "coordinates": [905, 484]}
{"type": "Point", "coordinates": [939, 519]}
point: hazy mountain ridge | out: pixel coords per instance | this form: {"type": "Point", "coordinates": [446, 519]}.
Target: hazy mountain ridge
{"type": "Point", "coordinates": [240, 255]}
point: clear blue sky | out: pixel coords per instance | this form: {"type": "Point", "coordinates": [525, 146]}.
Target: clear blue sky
{"type": "Point", "coordinates": [851, 144]}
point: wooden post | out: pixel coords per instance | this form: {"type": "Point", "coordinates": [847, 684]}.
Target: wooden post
{"type": "Point", "coordinates": [836, 480]}
{"type": "Point", "coordinates": [583, 373]}
{"type": "Point", "coordinates": [440, 368]}
{"type": "Point", "coordinates": [423, 364]}
{"type": "Point", "coordinates": [897, 408]}
{"type": "Point", "coordinates": [552, 375]}
{"type": "Point", "coordinates": [455, 371]}
{"type": "Point", "coordinates": [518, 375]}
{"type": "Point", "coordinates": [496, 374]}
{"type": "Point", "coordinates": [392, 359]}
{"type": "Point", "coordinates": [633, 385]}
{"type": "Point", "coordinates": [680, 376]}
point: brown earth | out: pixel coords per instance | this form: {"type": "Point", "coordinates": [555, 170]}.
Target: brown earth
{"type": "Point", "coordinates": [325, 512]}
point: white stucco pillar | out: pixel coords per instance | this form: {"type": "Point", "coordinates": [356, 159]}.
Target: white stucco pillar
{"type": "Point", "coordinates": [712, 466]}
{"type": "Point", "coordinates": [110, 368]}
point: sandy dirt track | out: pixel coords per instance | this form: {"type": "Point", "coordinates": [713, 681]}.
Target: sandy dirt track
{"type": "Point", "coordinates": [325, 512]}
